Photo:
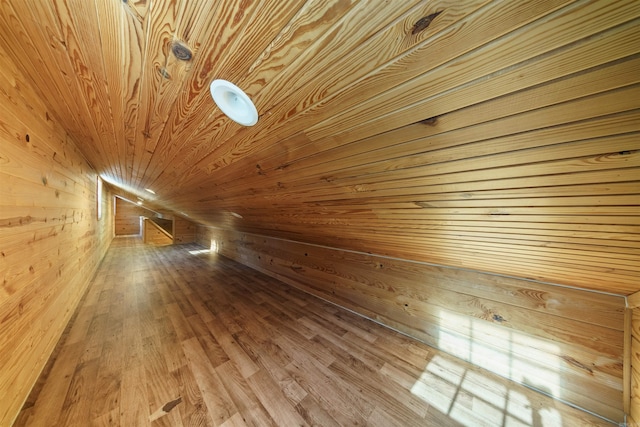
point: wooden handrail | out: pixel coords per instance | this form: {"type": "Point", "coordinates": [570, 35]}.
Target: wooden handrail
{"type": "Point", "coordinates": [165, 232]}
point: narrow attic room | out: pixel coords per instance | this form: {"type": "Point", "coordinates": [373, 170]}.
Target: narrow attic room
{"type": "Point", "coordinates": [319, 212]}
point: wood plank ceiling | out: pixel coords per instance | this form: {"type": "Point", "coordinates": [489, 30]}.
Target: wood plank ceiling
{"type": "Point", "coordinates": [493, 135]}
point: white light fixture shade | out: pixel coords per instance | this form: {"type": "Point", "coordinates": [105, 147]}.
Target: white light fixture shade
{"type": "Point", "coordinates": [234, 102]}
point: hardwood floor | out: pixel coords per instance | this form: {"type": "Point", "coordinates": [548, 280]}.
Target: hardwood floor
{"type": "Point", "coordinates": [176, 336]}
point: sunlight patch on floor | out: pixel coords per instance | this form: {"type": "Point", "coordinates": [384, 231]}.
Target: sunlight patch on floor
{"type": "Point", "coordinates": [199, 251]}
{"type": "Point", "coordinates": [213, 249]}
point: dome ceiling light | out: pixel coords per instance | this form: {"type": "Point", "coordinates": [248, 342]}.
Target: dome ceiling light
{"type": "Point", "coordinates": [234, 102]}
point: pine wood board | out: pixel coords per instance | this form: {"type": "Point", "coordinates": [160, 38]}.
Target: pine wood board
{"type": "Point", "coordinates": [363, 293]}
{"type": "Point", "coordinates": [560, 29]}
{"type": "Point", "coordinates": [499, 26]}
{"type": "Point", "coordinates": [299, 34]}
{"type": "Point", "coordinates": [596, 157]}
{"type": "Point", "coordinates": [635, 379]}
{"type": "Point", "coordinates": [404, 113]}
{"type": "Point", "coordinates": [457, 145]}
{"type": "Point", "coordinates": [39, 59]}
{"type": "Point", "coordinates": [272, 259]}
{"type": "Point", "coordinates": [301, 155]}
{"type": "Point", "coordinates": [470, 143]}
{"type": "Point", "coordinates": [229, 22]}
{"type": "Point", "coordinates": [411, 275]}
{"type": "Point", "coordinates": [356, 27]}
{"type": "Point", "coordinates": [118, 28]}
{"type": "Point", "coordinates": [81, 45]}
{"type": "Point", "coordinates": [159, 93]}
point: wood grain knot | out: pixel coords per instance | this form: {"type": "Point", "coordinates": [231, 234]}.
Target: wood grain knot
{"type": "Point", "coordinates": [577, 363]}
{"type": "Point", "coordinates": [181, 51]}
{"type": "Point", "coordinates": [431, 121]}
{"type": "Point", "coordinates": [170, 405]}
{"type": "Point", "coordinates": [164, 73]}
{"type": "Point", "coordinates": [424, 22]}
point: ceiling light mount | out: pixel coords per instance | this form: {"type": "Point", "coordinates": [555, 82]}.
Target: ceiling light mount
{"type": "Point", "coordinates": [234, 102]}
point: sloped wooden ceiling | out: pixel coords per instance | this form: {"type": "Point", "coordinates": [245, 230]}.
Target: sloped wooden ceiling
{"type": "Point", "coordinates": [494, 135]}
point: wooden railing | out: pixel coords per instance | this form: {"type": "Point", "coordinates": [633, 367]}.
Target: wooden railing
{"type": "Point", "coordinates": [153, 234]}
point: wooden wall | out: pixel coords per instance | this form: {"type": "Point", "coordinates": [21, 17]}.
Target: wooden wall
{"type": "Point", "coordinates": [501, 136]}
{"type": "Point", "coordinates": [127, 218]}
{"type": "Point", "coordinates": [184, 231]}
{"type": "Point", "coordinates": [50, 239]}
{"type": "Point", "coordinates": [562, 341]}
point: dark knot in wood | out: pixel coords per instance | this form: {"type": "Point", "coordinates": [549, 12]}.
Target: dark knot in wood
{"type": "Point", "coordinates": [422, 23]}
{"type": "Point", "coordinates": [170, 405]}
{"type": "Point", "coordinates": [164, 73]}
{"type": "Point", "coordinates": [181, 51]}
{"type": "Point", "coordinates": [431, 121]}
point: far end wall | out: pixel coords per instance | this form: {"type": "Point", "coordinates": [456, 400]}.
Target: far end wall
{"type": "Point", "coordinates": [127, 217]}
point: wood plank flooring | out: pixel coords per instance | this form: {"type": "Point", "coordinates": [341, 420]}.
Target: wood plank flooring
{"type": "Point", "coordinates": [176, 336]}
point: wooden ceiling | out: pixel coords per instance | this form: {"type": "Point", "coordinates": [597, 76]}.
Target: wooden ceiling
{"type": "Point", "coordinates": [494, 135]}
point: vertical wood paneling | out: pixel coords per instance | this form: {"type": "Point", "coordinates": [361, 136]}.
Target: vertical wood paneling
{"type": "Point", "coordinates": [566, 342]}
{"type": "Point", "coordinates": [50, 239]}
{"type": "Point", "coordinates": [634, 407]}
{"type": "Point", "coordinates": [632, 364]}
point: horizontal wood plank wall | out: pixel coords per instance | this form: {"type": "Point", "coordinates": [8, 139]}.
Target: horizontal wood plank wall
{"type": "Point", "coordinates": [184, 231]}
{"type": "Point", "coordinates": [562, 341]}
{"type": "Point", "coordinates": [127, 218]}
{"type": "Point", "coordinates": [513, 158]}
{"type": "Point", "coordinates": [50, 239]}
{"type": "Point", "coordinates": [153, 234]}
{"type": "Point", "coordinates": [502, 137]}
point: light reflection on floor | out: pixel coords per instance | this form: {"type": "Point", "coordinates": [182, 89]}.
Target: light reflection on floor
{"type": "Point", "coordinates": [475, 400]}
{"type": "Point", "coordinates": [213, 248]}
